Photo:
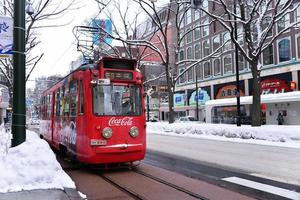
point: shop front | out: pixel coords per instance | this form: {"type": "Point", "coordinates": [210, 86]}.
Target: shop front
{"type": "Point", "coordinates": [201, 97]}
{"type": "Point", "coordinates": [227, 114]}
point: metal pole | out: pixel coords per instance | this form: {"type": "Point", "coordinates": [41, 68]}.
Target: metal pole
{"type": "Point", "coordinates": [148, 108]}
{"type": "Point", "coordinates": [237, 74]}
{"type": "Point", "coordinates": [19, 117]}
{"type": "Point", "coordinates": [197, 97]}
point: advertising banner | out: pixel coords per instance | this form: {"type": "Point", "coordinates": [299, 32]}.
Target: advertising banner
{"type": "Point", "coordinates": [202, 97]}
{"type": "Point", "coordinates": [6, 36]}
{"type": "Point", "coordinates": [179, 99]}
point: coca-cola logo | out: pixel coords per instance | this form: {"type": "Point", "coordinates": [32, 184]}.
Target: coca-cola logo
{"type": "Point", "coordinates": [125, 121]}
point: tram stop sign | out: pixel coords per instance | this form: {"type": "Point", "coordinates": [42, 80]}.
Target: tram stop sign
{"type": "Point", "coordinates": [6, 36]}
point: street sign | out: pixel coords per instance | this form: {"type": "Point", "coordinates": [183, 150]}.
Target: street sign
{"type": "Point", "coordinates": [6, 36]}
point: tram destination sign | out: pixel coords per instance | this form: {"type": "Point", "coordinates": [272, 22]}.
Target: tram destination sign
{"type": "Point", "coordinates": [6, 36]}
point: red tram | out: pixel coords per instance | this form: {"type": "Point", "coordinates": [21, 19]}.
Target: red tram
{"type": "Point", "coordinates": [96, 113]}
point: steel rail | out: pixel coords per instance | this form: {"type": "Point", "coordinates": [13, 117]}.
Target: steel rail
{"type": "Point", "coordinates": [170, 185]}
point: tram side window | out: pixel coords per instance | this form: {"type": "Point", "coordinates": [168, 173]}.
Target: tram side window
{"type": "Point", "coordinates": [58, 103]}
{"type": "Point", "coordinates": [66, 102]}
{"type": "Point", "coordinates": [62, 93]}
{"type": "Point", "coordinates": [49, 106]}
{"type": "Point", "coordinates": [81, 97]}
{"type": "Point", "coordinates": [73, 98]}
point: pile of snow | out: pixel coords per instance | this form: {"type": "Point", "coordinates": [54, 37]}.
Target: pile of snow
{"type": "Point", "coordinates": [272, 133]}
{"type": "Point", "coordinates": [30, 165]}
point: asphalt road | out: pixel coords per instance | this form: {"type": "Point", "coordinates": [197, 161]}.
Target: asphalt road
{"type": "Point", "coordinates": [271, 162]}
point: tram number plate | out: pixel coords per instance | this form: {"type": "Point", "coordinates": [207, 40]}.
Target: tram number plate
{"type": "Point", "coordinates": [98, 142]}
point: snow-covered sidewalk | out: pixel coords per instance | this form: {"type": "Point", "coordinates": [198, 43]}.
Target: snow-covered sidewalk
{"type": "Point", "coordinates": [288, 136]}
{"type": "Point", "coordinates": [31, 165]}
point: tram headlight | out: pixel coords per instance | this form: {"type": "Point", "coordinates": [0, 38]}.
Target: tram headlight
{"type": "Point", "coordinates": [134, 132]}
{"type": "Point", "coordinates": [107, 132]}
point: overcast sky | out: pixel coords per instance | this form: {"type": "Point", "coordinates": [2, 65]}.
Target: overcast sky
{"type": "Point", "coordinates": [59, 44]}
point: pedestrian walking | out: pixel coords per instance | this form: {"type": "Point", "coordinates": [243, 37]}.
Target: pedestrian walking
{"type": "Point", "coordinates": [280, 118]}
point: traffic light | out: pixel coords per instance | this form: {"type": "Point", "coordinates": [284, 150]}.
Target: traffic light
{"type": "Point", "coordinates": [196, 3]}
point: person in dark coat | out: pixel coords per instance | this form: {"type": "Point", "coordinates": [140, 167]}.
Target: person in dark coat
{"type": "Point", "coordinates": [280, 118]}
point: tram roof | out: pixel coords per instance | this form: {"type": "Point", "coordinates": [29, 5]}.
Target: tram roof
{"type": "Point", "coordinates": [267, 98]}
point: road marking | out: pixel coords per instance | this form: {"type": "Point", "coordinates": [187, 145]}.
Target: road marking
{"type": "Point", "coordinates": [264, 187]}
{"type": "Point", "coordinates": [278, 179]}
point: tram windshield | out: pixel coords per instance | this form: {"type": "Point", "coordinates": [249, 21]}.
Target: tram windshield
{"type": "Point", "coordinates": [117, 100]}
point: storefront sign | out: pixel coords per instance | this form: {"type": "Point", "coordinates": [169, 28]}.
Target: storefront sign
{"type": "Point", "coordinates": [273, 86]}
{"type": "Point", "coordinates": [202, 97]}
{"type": "Point", "coordinates": [6, 36]}
{"type": "Point", "coordinates": [228, 91]}
{"type": "Point", "coordinates": [179, 99]}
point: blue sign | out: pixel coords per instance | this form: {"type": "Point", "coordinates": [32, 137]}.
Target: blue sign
{"type": "Point", "coordinates": [179, 99]}
{"type": "Point", "coordinates": [6, 36]}
{"type": "Point", "coordinates": [102, 37]}
{"type": "Point", "coordinates": [201, 98]}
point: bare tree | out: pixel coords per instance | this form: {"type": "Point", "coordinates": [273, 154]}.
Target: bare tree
{"type": "Point", "coordinates": [254, 21]}
{"type": "Point", "coordinates": [160, 34]}
{"type": "Point", "coordinates": [44, 12]}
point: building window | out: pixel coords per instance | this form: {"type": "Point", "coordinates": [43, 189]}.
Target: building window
{"type": "Point", "coordinates": [265, 24]}
{"type": "Point", "coordinates": [199, 73]}
{"type": "Point", "coordinates": [298, 46]}
{"type": "Point", "coordinates": [283, 23]}
{"type": "Point", "coordinates": [284, 50]}
{"type": "Point", "coordinates": [241, 61]}
{"type": "Point", "coordinates": [189, 16]}
{"type": "Point", "coordinates": [181, 55]}
{"type": "Point", "coordinates": [181, 20]}
{"type": "Point", "coordinates": [189, 36]}
{"type": "Point", "coordinates": [207, 71]}
{"type": "Point", "coordinates": [189, 53]}
{"type": "Point", "coordinates": [216, 43]}
{"type": "Point", "coordinates": [197, 33]}
{"type": "Point", "coordinates": [196, 14]}
{"type": "Point", "coordinates": [227, 64]}
{"type": "Point", "coordinates": [217, 67]}
{"type": "Point", "coordinates": [206, 48]}
{"type": "Point", "coordinates": [268, 56]}
{"type": "Point", "coordinates": [297, 15]}
{"type": "Point", "coordinates": [197, 51]}
{"type": "Point", "coordinates": [191, 74]}
{"type": "Point", "coordinates": [182, 77]}
{"type": "Point", "coordinates": [227, 41]}
{"type": "Point", "coordinates": [205, 29]}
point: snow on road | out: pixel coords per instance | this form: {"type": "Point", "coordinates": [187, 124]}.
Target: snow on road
{"type": "Point", "coordinates": [287, 136]}
{"type": "Point", "coordinates": [31, 165]}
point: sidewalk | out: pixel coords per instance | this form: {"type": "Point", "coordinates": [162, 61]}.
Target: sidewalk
{"type": "Point", "coordinates": [47, 194]}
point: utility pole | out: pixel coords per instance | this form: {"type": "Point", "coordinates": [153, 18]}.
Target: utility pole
{"type": "Point", "coordinates": [197, 97]}
{"type": "Point", "coordinates": [19, 116]}
{"type": "Point", "coordinates": [237, 70]}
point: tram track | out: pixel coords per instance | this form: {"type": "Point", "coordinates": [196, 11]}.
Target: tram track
{"type": "Point", "coordinates": [122, 188]}
{"type": "Point", "coordinates": [170, 185]}
{"type": "Point", "coordinates": [136, 194]}
{"type": "Point", "coordinates": [116, 178]}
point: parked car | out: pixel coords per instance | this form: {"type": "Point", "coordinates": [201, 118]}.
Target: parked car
{"type": "Point", "coordinates": [186, 119]}
{"type": "Point", "coordinates": [153, 119]}
{"type": "Point", "coordinates": [34, 121]}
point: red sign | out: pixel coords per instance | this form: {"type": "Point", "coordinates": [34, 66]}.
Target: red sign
{"type": "Point", "coordinates": [228, 91]}
{"type": "Point", "coordinates": [273, 86]}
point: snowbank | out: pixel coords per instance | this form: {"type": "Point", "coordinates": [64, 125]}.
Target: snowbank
{"type": "Point", "coordinates": [31, 165]}
{"type": "Point", "coordinates": [273, 133]}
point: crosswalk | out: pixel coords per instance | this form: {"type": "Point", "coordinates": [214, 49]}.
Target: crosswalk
{"type": "Point", "coordinates": [264, 187]}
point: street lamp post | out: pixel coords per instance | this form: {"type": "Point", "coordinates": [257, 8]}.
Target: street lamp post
{"type": "Point", "coordinates": [197, 97]}
{"type": "Point", "coordinates": [19, 116]}
{"type": "Point", "coordinates": [19, 108]}
{"type": "Point", "coordinates": [237, 74]}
